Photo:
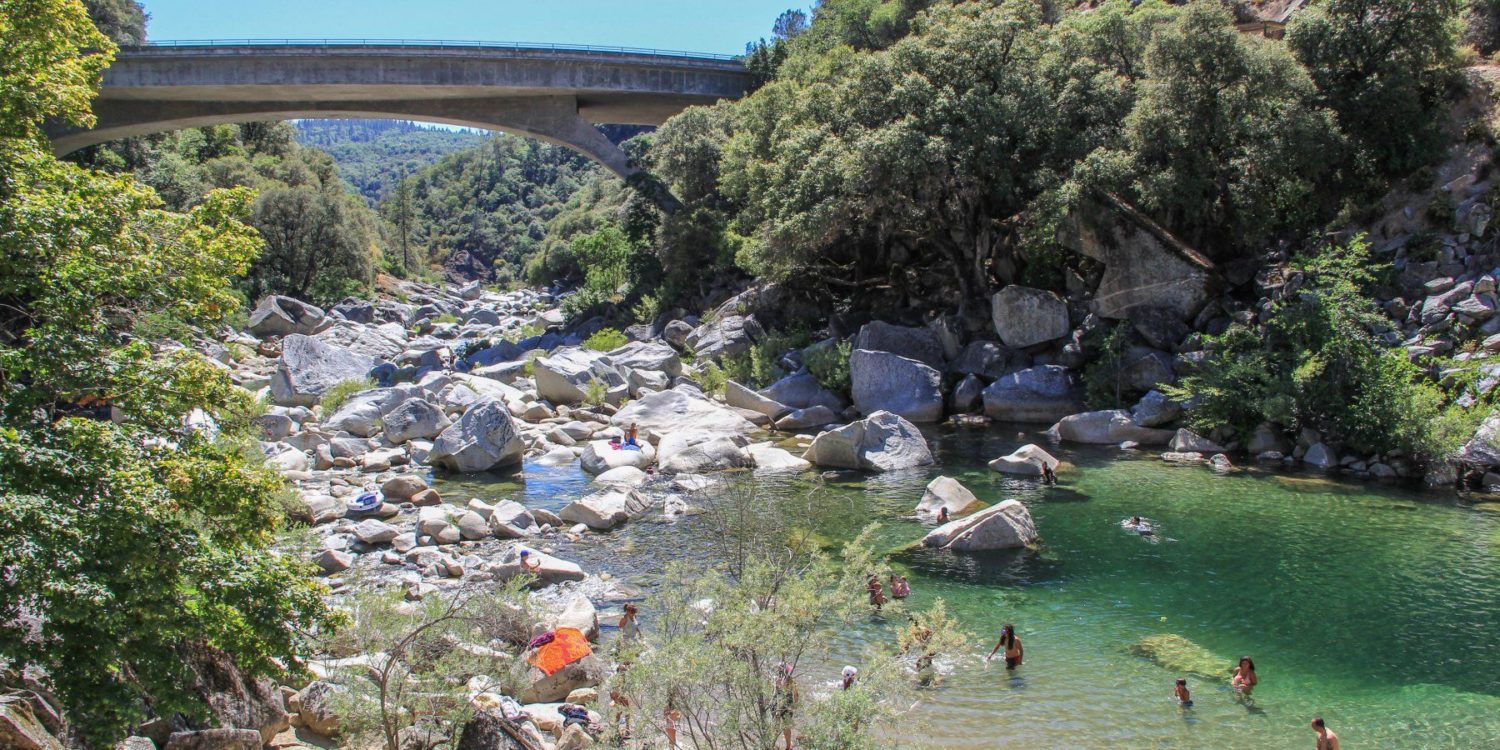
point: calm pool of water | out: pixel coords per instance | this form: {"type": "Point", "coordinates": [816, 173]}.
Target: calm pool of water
{"type": "Point", "coordinates": [1375, 608]}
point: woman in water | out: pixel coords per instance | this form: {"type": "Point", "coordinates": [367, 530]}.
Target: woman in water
{"type": "Point", "coordinates": [1181, 693]}
{"type": "Point", "coordinates": [1012, 646]}
{"type": "Point", "coordinates": [898, 590]}
{"type": "Point", "coordinates": [877, 593]}
{"type": "Point", "coordinates": [629, 629]}
{"type": "Point", "coordinates": [942, 514]}
{"type": "Point", "coordinates": [1244, 679]}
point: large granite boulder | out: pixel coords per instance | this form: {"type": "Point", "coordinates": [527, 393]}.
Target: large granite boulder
{"type": "Point", "coordinates": [1143, 265]}
{"type": "Point", "coordinates": [1155, 409]}
{"type": "Point", "coordinates": [880, 442]}
{"type": "Point", "coordinates": [600, 456]}
{"type": "Point", "coordinates": [552, 570]}
{"type": "Point", "coordinates": [946, 492]}
{"type": "Point", "coordinates": [1004, 526]}
{"type": "Point", "coordinates": [881, 381]}
{"type": "Point", "coordinates": [1483, 449]}
{"type": "Point", "coordinates": [740, 397]}
{"type": "Point", "coordinates": [355, 310]}
{"type": "Point", "coordinates": [769, 458]}
{"type": "Point", "coordinates": [364, 412]}
{"type": "Point", "coordinates": [1042, 394]}
{"type": "Point", "coordinates": [1187, 441]}
{"type": "Point", "coordinates": [483, 439]}
{"type": "Point", "coordinates": [989, 360]}
{"type": "Point", "coordinates": [308, 368]}
{"type": "Point", "coordinates": [564, 377]}
{"type": "Point", "coordinates": [605, 510]}
{"type": "Point", "coordinates": [282, 316]}
{"type": "Point", "coordinates": [802, 391]}
{"type": "Point", "coordinates": [811, 418]}
{"type": "Point", "coordinates": [686, 453]}
{"type": "Point", "coordinates": [1110, 427]}
{"type": "Point", "coordinates": [414, 419]}
{"type": "Point", "coordinates": [921, 344]}
{"type": "Point", "coordinates": [648, 356]}
{"type": "Point", "coordinates": [1026, 317]}
{"type": "Point", "coordinates": [681, 409]}
{"type": "Point", "coordinates": [235, 699]}
{"type": "Point", "coordinates": [386, 341]}
{"type": "Point", "coordinates": [725, 336]}
{"type": "Point", "coordinates": [1145, 369]}
{"type": "Point", "coordinates": [1026, 461]}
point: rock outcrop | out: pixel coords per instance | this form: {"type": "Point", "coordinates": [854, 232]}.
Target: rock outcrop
{"type": "Point", "coordinates": [881, 381]}
{"type": "Point", "coordinates": [1042, 394]}
{"type": "Point", "coordinates": [484, 438]}
{"type": "Point", "coordinates": [1004, 526]}
{"type": "Point", "coordinates": [308, 368]}
{"type": "Point", "coordinates": [880, 442]}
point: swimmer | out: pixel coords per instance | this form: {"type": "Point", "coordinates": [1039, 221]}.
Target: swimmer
{"type": "Point", "coordinates": [1181, 693]}
{"type": "Point", "coordinates": [1138, 525]}
{"type": "Point", "coordinates": [1012, 646]}
{"type": "Point", "coordinates": [942, 514]}
{"type": "Point", "coordinates": [1327, 740]}
{"type": "Point", "coordinates": [1244, 679]}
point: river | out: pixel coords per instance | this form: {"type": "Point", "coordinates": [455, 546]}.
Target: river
{"type": "Point", "coordinates": [1377, 608]}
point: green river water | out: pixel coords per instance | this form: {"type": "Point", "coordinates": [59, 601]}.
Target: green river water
{"type": "Point", "coordinates": [1376, 608]}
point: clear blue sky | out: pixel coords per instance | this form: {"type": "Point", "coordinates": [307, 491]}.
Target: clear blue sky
{"type": "Point", "coordinates": [722, 26]}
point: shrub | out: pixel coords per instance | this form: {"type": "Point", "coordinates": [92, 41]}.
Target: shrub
{"type": "Point", "coordinates": [605, 340]}
{"type": "Point", "coordinates": [594, 393]}
{"type": "Point", "coordinates": [336, 396]}
{"type": "Point", "coordinates": [830, 365]}
{"type": "Point", "coordinates": [713, 378]}
{"type": "Point", "coordinates": [1103, 377]}
{"type": "Point", "coordinates": [444, 319]}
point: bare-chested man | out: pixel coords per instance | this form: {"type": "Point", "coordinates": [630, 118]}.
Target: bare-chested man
{"type": "Point", "coordinates": [1327, 740]}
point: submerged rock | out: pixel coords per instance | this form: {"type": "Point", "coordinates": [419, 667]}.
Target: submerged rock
{"type": "Point", "coordinates": [1179, 655]}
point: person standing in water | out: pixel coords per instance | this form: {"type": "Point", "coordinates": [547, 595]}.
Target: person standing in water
{"type": "Point", "coordinates": [784, 701]}
{"type": "Point", "coordinates": [1181, 693]}
{"type": "Point", "coordinates": [1327, 740]}
{"type": "Point", "coordinates": [1244, 679]}
{"type": "Point", "coordinates": [1012, 646]}
{"type": "Point", "coordinates": [942, 514]}
{"type": "Point", "coordinates": [850, 673]}
{"type": "Point", "coordinates": [877, 593]}
{"type": "Point", "coordinates": [629, 629]}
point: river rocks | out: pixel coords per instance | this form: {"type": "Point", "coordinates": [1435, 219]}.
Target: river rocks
{"type": "Point", "coordinates": [440, 522]}
{"type": "Point", "coordinates": [483, 439]}
{"type": "Point", "coordinates": [363, 412]}
{"type": "Point", "coordinates": [1042, 394]}
{"type": "Point", "coordinates": [802, 391]}
{"type": "Point", "coordinates": [881, 442]}
{"type": "Point", "coordinates": [600, 456]}
{"type": "Point", "coordinates": [724, 337]}
{"type": "Point", "coordinates": [415, 418]}
{"type": "Point", "coordinates": [22, 729]}
{"type": "Point", "coordinates": [283, 316]}
{"type": "Point", "coordinates": [988, 359]}
{"type": "Point", "coordinates": [1027, 461]}
{"type": "Point", "coordinates": [648, 356]}
{"type": "Point", "coordinates": [332, 561]}
{"type": "Point", "coordinates": [564, 377]}
{"type": "Point", "coordinates": [676, 333]}
{"type": "Point", "coordinates": [920, 344]}
{"type": "Point", "coordinates": [946, 492]}
{"type": "Point", "coordinates": [552, 570]}
{"type": "Point", "coordinates": [968, 395]}
{"type": "Point", "coordinates": [627, 476]}
{"type": "Point", "coordinates": [403, 487]}
{"type": "Point", "coordinates": [315, 704]}
{"type": "Point", "coordinates": [1145, 369]}
{"type": "Point", "coordinates": [1025, 317]}
{"type": "Point", "coordinates": [308, 368]}
{"type": "Point", "coordinates": [1483, 450]}
{"type": "Point", "coordinates": [811, 418]}
{"type": "Point", "coordinates": [1187, 441]}
{"type": "Point", "coordinates": [215, 739]}
{"type": "Point", "coordinates": [1267, 439]}
{"type": "Point", "coordinates": [605, 510]}
{"type": "Point", "coordinates": [1004, 526]}
{"type": "Point", "coordinates": [1106, 428]}
{"type": "Point", "coordinates": [881, 381]}
{"type": "Point", "coordinates": [770, 458]}
{"type": "Point", "coordinates": [371, 531]}
{"type": "Point", "coordinates": [685, 453]}
{"type": "Point", "coordinates": [1321, 457]}
{"type": "Point", "coordinates": [681, 409]}
{"type": "Point", "coordinates": [1155, 409]}
{"type": "Point", "coordinates": [740, 397]}
{"type": "Point", "coordinates": [555, 687]}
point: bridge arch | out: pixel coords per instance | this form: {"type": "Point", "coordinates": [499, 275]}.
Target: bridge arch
{"type": "Point", "coordinates": [552, 93]}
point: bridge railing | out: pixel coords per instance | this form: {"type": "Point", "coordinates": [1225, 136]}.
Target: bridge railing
{"type": "Point", "coordinates": [444, 43]}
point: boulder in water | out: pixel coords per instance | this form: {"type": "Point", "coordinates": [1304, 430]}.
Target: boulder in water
{"type": "Point", "coordinates": [600, 456]}
{"type": "Point", "coordinates": [881, 381]}
{"type": "Point", "coordinates": [483, 439]}
{"type": "Point", "coordinates": [1043, 394]}
{"type": "Point", "coordinates": [1004, 526]}
{"type": "Point", "coordinates": [1026, 461]}
{"type": "Point", "coordinates": [1106, 428]}
{"type": "Point", "coordinates": [681, 409]}
{"type": "Point", "coordinates": [946, 492]}
{"type": "Point", "coordinates": [880, 442]}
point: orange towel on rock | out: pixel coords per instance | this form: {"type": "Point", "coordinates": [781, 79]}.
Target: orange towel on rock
{"type": "Point", "coordinates": [568, 646]}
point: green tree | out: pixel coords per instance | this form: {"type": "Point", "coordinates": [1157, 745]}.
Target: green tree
{"type": "Point", "coordinates": [1226, 143]}
{"type": "Point", "coordinates": [317, 246]}
{"type": "Point", "coordinates": [1384, 66]}
{"type": "Point", "coordinates": [123, 21]}
{"type": "Point", "coordinates": [401, 211]}
{"type": "Point", "coordinates": [127, 543]}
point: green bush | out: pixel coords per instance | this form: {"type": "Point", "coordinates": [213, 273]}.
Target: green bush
{"type": "Point", "coordinates": [340, 393]}
{"type": "Point", "coordinates": [594, 393]}
{"type": "Point", "coordinates": [605, 340]}
{"type": "Point", "coordinates": [713, 378]}
{"type": "Point", "coordinates": [1103, 378]}
{"type": "Point", "coordinates": [830, 365]}
{"type": "Point", "coordinates": [444, 319]}
{"type": "Point", "coordinates": [1316, 364]}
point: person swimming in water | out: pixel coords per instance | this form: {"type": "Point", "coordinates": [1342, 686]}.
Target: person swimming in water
{"type": "Point", "coordinates": [942, 514]}
{"type": "Point", "coordinates": [1138, 525]}
{"type": "Point", "coordinates": [1327, 740]}
{"type": "Point", "coordinates": [1244, 679]}
{"type": "Point", "coordinates": [1180, 692]}
{"type": "Point", "coordinates": [1012, 645]}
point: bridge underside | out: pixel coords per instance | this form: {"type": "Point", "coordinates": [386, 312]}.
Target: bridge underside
{"type": "Point", "coordinates": [559, 120]}
{"type": "Point", "coordinates": [555, 95]}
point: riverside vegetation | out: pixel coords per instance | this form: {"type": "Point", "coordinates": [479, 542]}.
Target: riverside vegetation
{"type": "Point", "coordinates": [1129, 221]}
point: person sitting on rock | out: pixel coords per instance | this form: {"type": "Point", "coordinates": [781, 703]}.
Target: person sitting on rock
{"type": "Point", "coordinates": [528, 564]}
{"type": "Point", "coordinates": [632, 436]}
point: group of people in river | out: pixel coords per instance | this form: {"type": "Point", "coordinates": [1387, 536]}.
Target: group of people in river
{"type": "Point", "coordinates": [900, 589]}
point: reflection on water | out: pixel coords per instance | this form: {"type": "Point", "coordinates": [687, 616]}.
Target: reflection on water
{"type": "Point", "coordinates": [1374, 608]}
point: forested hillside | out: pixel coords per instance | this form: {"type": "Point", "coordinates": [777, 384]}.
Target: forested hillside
{"type": "Point", "coordinates": [374, 155]}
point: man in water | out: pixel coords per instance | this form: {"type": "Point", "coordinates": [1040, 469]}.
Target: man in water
{"type": "Point", "coordinates": [1138, 526]}
{"type": "Point", "coordinates": [1327, 740]}
{"type": "Point", "coordinates": [1182, 694]}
